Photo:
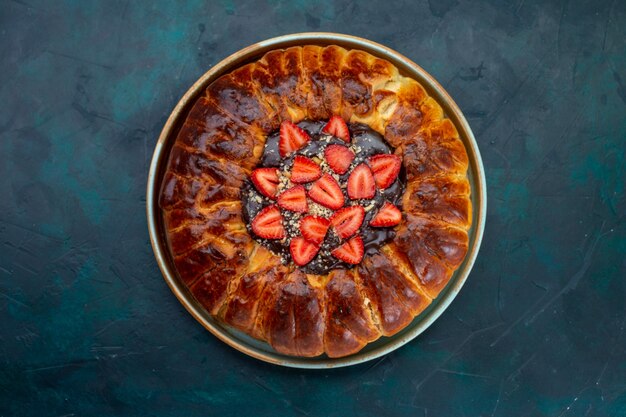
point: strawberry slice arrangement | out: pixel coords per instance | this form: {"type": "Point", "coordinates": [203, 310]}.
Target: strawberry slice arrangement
{"type": "Point", "coordinates": [326, 194]}
{"type": "Point", "coordinates": [266, 181]}
{"type": "Point", "coordinates": [347, 221]}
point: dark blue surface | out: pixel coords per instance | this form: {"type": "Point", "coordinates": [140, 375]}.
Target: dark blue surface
{"type": "Point", "coordinates": [89, 326]}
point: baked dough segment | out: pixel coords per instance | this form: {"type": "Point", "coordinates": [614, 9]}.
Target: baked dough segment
{"type": "Point", "coordinates": [208, 116]}
{"type": "Point", "coordinates": [208, 255]}
{"type": "Point", "coordinates": [395, 298]}
{"type": "Point", "coordinates": [238, 95]}
{"type": "Point", "coordinates": [224, 172]}
{"type": "Point", "coordinates": [292, 85]}
{"type": "Point", "coordinates": [431, 250]}
{"type": "Point", "coordinates": [199, 227]}
{"type": "Point", "coordinates": [201, 239]}
{"type": "Point", "coordinates": [228, 263]}
{"type": "Point", "coordinates": [448, 243]}
{"type": "Point", "coordinates": [369, 87]}
{"type": "Point", "coordinates": [327, 79]}
{"type": "Point", "coordinates": [432, 274]}
{"type": "Point", "coordinates": [185, 194]}
{"type": "Point", "coordinates": [311, 83]}
{"type": "Point", "coordinates": [349, 323]}
{"type": "Point", "coordinates": [241, 309]}
{"type": "Point", "coordinates": [356, 93]}
{"type": "Point", "coordinates": [179, 218]}
{"type": "Point", "coordinates": [277, 87]}
{"type": "Point", "coordinates": [406, 119]}
{"type": "Point", "coordinates": [435, 149]}
{"type": "Point", "coordinates": [178, 192]}
{"type": "Point", "coordinates": [212, 131]}
{"type": "Point", "coordinates": [442, 198]}
{"type": "Point", "coordinates": [211, 288]}
{"type": "Point", "coordinates": [205, 168]}
{"type": "Point", "coordinates": [293, 321]}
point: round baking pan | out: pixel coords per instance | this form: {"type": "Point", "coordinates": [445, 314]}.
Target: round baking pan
{"type": "Point", "coordinates": [243, 342]}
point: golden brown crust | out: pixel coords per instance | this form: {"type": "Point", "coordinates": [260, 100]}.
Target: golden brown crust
{"type": "Point", "coordinates": [179, 193]}
{"type": "Point", "coordinates": [432, 250]}
{"type": "Point", "coordinates": [314, 90]}
{"type": "Point", "coordinates": [238, 95]}
{"type": "Point", "coordinates": [213, 132]}
{"type": "Point", "coordinates": [294, 319]}
{"type": "Point", "coordinates": [227, 257]}
{"type": "Point", "coordinates": [244, 284]}
{"type": "Point", "coordinates": [435, 149]}
{"type": "Point", "coordinates": [349, 323]}
{"type": "Point", "coordinates": [327, 78]}
{"type": "Point", "coordinates": [444, 198]}
{"type": "Point", "coordinates": [396, 299]}
{"type": "Point", "coordinates": [243, 306]}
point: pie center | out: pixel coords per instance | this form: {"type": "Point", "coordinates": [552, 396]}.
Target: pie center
{"type": "Point", "coordinates": [324, 194]}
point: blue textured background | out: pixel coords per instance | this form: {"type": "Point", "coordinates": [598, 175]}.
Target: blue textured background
{"type": "Point", "coordinates": [88, 325]}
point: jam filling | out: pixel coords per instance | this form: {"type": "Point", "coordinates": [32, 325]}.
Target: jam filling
{"type": "Point", "coordinates": [324, 194]}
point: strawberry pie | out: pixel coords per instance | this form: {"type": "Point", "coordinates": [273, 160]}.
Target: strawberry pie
{"type": "Point", "coordinates": [317, 200]}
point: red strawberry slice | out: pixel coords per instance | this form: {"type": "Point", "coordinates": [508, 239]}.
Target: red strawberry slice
{"type": "Point", "coordinates": [388, 215]}
{"type": "Point", "coordinates": [266, 181]}
{"type": "Point", "coordinates": [304, 170]}
{"type": "Point", "coordinates": [347, 221]}
{"type": "Point", "coordinates": [314, 228]}
{"type": "Point", "coordinates": [351, 251]}
{"type": "Point", "coordinates": [294, 199]}
{"type": "Point", "coordinates": [326, 192]}
{"type": "Point", "coordinates": [292, 138]}
{"type": "Point", "coordinates": [361, 183]}
{"type": "Point", "coordinates": [268, 224]}
{"type": "Point", "coordinates": [302, 251]}
{"type": "Point", "coordinates": [339, 158]}
{"type": "Point", "coordinates": [385, 168]}
{"type": "Point", "coordinates": [337, 127]}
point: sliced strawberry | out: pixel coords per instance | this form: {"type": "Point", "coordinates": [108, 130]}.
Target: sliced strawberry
{"type": "Point", "coordinates": [339, 158]}
{"type": "Point", "coordinates": [304, 170]}
{"type": "Point", "coordinates": [268, 224]}
{"type": "Point", "coordinates": [292, 138]}
{"type": "Point", "coordinates": [351, 251]}
{"type": "Point", "coordinates": [361, 183]}
{"type": "Point", "coordinates": [326, 192]}
{"type": "Point", "coordinates": [294, 199]}
{"type": "Point", "coordinates": [302, 251]}
{"type": "Point", "coordinates": [385, 168]}
{"type": "Point", "coordinates": [314, 228]}
{"type": "Point", "coordinates": [337, 127]}
{"type": "Point", "coordinates": [266, 181]}
{"type": "Point", "coordinates": [347, 221]}
{"type": "Point", "coordinates": [388, 215]}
